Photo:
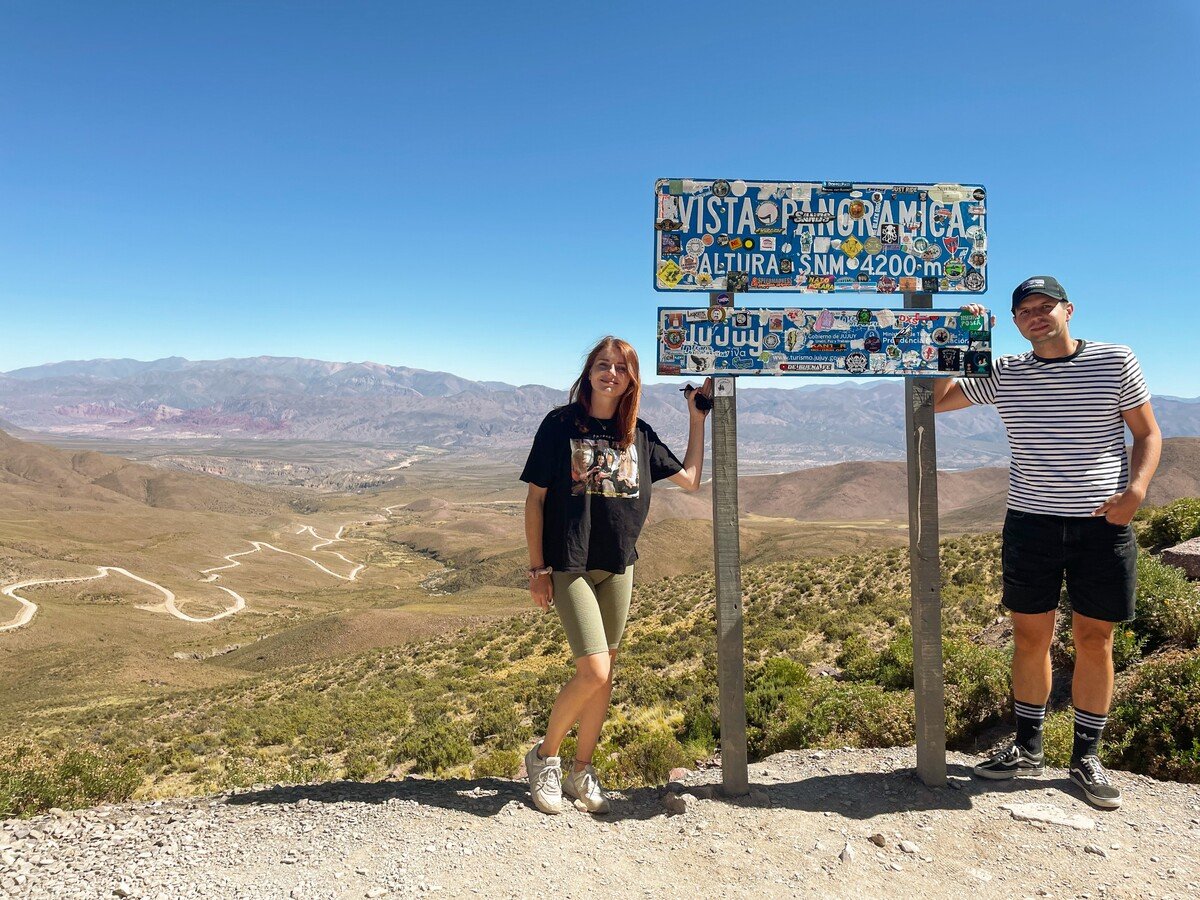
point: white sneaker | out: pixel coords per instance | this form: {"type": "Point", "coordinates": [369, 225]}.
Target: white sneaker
{"type": "Point", "coordinates": [585, 787]}
{"type": "Point", "coordinates": [545, 780]}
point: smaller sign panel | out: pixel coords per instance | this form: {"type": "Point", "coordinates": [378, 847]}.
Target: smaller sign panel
{"type": "Point", "coordinates": [823, 341]}
{"type": "Point", "coordinates": [820, 236]}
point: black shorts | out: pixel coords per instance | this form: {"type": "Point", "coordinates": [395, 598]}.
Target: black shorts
{"type": "Point", "coordinates": [1098, 558]}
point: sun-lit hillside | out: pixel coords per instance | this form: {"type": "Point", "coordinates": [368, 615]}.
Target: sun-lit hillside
{"type": "Point", "coordinates": [829, 663]}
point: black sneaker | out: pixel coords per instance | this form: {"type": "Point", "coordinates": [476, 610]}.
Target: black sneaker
{"type": "Point", "coordinates": [1012, 762]}
{"type": "Point", "coordinates": [1093, 780]}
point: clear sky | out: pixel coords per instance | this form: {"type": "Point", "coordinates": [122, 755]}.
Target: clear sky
{"type": "Point", "coordinates": [468, 187]}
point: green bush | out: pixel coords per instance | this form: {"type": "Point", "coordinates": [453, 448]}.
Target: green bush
{"type": "Point", "coordinates": [497, 764]}
{"type": "Point", "coordinates": [1127, 646]}
{"type": "Point", "coordinates": [500, 722]}
{"type": "Point", "coordinates": [434, 745]}
{"type": "Point", "coordinates": [767, 687]}
{"type": "Point", "coordinates": [700, 726]}
{"type": "Point", "coordinates": [1169, 525]}
{"type": "Point", "coordinates": [360, 765]}
{"type": "Point", "coordinates": [35, 780]}
{"type": "Point", "coordinates": [1168, 606]}
{"type": "Point", "coordinates": [646, 759]}
{"type": "Point", "coordinates": [1154, 725]}
{"type": "Point", "coordinates": [857, 660]}
{"type": "Point", "coordinates": [977, 686]}
{"type": "Point", "coordinates": [896, 662]}
{"type": "Point", "coordinates": [1058, 737]}
{"type": "Point", "coordinates": [824, 712]}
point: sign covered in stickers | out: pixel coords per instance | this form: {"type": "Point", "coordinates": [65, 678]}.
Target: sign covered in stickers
{"type": "Point", "coordinates": [896, 342]}
{"type": "Point", "coordinates": [819, 237]}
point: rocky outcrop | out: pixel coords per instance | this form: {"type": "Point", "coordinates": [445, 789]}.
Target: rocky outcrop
{"type": "Point", "coordinates": [1185, 556]}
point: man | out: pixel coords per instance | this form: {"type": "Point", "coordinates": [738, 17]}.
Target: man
{"type": "Point", "coordinates": [1071, 495]}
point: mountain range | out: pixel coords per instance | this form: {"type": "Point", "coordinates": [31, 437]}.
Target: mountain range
{"type": "Point", "coordinates": [284, 398]}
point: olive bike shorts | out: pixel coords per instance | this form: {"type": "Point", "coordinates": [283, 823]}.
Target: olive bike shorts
{"type": "Point", "coordinates": [593, 607]}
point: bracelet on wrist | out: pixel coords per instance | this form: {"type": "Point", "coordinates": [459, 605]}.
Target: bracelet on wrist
{"type": "Point", "coordinates": [536, 571]}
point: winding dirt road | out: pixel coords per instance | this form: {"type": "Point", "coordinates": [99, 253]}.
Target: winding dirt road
{"type": "Point", "coordinates": [28, 608]}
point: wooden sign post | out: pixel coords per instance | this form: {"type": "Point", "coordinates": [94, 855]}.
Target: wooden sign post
{"type": "Point", "coordinates": [731, 676]}
{"type": "Point", "coordinates": [925, 578]}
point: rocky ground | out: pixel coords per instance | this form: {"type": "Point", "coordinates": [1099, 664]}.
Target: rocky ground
{"type": "Point", "coordinates": [829, 824]}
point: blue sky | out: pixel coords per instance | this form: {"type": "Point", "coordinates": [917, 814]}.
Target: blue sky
{"type": "Point", "coordinates": [468, 188]}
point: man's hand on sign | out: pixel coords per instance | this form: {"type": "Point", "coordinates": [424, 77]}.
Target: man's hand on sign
{"type": "Point", "coordinates": [978, 309]}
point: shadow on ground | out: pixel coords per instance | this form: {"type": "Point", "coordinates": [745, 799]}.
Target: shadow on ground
{"type": "Point", "coordinates": [855, 795]}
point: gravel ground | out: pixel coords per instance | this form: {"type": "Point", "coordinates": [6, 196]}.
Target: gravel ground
{"type": "Point", "coordinates": [829, 824]}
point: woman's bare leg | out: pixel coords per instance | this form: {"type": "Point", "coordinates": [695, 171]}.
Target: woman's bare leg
{"type": "Point", "coordinates": [592, 674]}
{"type": "Point", "coordinates": [591, 719]}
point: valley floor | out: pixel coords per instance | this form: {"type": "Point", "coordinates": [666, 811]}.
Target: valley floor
{"type": "Point", "coordinates": [829, 824]}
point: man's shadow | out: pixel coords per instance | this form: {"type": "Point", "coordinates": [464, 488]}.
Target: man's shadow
{"type": "Point", "coordinates": [854, 795]}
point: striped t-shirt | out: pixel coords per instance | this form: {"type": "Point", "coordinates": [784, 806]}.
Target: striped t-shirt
{"type": "Point", "coordinates": [1064, 424]}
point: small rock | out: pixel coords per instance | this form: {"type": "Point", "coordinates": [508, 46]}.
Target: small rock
{"type": "Point", "coordinates": [679, 773]}
{"type": "Point", "coordinates": [847, 854]}
{"type": "Point", "coordinates": [908, 847]}
{"type": "Point", "coordinates": [377, 892]}
{"type": "Point", "coordinates": [678, 804]}
{"type": "Point", "coordinates": [1048, 814]}
{"type": "Point", "coordinates": [878, 840]}
{"type": "Point", "coordinates": [1096, 849]}
{"type": "Point", "coordinates": [122, 890]}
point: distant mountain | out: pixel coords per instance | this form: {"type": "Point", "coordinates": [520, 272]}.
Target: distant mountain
{"type": "Point", "coordinates": [282, 398]}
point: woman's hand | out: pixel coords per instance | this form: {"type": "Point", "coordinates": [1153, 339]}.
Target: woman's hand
{"type": "Point", "coordinates": [692, 393]}
{"type": "Point", "coordinates": [541, 589]}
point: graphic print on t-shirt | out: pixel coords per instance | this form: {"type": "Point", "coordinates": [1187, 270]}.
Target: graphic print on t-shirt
{"type": "Point", "coordinates": [599, 466]}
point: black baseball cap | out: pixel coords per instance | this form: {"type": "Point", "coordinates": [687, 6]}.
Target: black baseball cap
{"type": "Point", "coordinates": [1039, 284]}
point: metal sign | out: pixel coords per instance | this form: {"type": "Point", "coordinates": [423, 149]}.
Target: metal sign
{"type": "Point", "coordinates": [817, 237]}
{"type": "Point", "coordinates": [886, 342]}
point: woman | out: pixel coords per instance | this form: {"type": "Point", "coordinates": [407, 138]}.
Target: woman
{"type": "Point", "coordinates": [582, 545]}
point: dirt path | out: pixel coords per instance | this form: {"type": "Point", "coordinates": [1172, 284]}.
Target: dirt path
{"type": "Point", "coordinates": [168, 605]}
{"type": "Point", "coordinates": [827, 824]}
{"type": "Point", "coordinates": [28, 608]}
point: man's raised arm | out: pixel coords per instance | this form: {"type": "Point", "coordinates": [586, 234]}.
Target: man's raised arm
{"type": "Point", "coordinates": [947, 392]}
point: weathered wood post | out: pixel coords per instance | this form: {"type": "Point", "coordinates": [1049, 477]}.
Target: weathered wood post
{"type": "Point", "coordinates": [924, 561]}
{"type": "Point", "coordinates": [731, 675]}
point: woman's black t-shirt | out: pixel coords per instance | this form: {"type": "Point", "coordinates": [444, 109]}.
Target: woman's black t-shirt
{"type": "Point", "coordinates": [597, 495]}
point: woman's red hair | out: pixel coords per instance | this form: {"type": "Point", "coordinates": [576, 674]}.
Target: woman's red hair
{"type": "Point", "coordinates": [627, 406]}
